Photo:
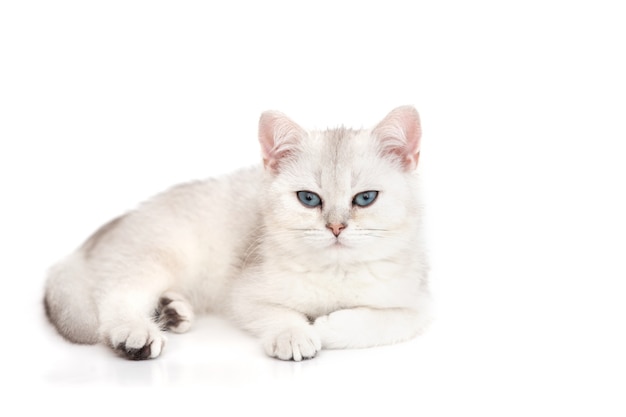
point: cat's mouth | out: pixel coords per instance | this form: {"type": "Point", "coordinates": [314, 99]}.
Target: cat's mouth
{"type": "Point", "coordinates": [338, 243]}
{"type": "Point", "coordinates": [322, 240]}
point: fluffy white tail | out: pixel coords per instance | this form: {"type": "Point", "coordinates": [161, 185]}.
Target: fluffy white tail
{"type": "Point", "coordinates": [68, 300]}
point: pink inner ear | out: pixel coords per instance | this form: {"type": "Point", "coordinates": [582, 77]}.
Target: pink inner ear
{"type": "Point", "coordinates": [399, 135]}
{"type": "Point", "coordinates": [266, 138]}
{"type": "Point", "coordinates": [279, 137]}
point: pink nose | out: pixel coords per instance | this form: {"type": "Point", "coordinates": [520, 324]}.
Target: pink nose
{"type": "Point", "coordinates": [336, 228]}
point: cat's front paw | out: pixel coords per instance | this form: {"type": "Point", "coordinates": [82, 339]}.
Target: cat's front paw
{"type": "Point", "coordinates": [137, 341]}
{"type": "Point", "coordinates": [294, 344]}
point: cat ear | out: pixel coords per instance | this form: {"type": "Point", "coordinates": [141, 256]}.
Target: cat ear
{"type": "Point", "coordinates": [279, 137]}
{"type": "Point", "coordinates": [399, 136]}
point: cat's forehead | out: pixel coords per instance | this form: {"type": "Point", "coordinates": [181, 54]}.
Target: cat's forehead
{"type": "Point", "coordinates": [339, 145]}
{"type": "Point", "coordinates": [341, 158]}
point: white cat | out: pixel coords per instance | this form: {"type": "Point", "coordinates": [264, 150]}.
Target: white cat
{"type": "Point", "coordinates": [319, 248]}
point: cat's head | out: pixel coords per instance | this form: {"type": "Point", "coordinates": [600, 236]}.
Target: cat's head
{"type": "Point", "coordinates": [341, 194]}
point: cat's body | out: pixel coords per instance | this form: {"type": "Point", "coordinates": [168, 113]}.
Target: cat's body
{"type": "Point", "coordinates": [321, 247]}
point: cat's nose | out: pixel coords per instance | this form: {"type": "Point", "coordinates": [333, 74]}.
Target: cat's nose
{"type": "Point", "coordinates": [336, 228]}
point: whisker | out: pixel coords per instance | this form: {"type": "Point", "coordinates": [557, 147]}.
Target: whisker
{"type": "Point", "coordinates": [318, 237]}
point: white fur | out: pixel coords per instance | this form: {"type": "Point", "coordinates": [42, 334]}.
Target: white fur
{"type": "Point", "coordinates": [244, 246]}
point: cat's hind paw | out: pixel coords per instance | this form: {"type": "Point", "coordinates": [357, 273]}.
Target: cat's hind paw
{"type": "Point", "coordinates": [294, 344]}
{"type": "Point", "coordinates": [137, 342]}
{"type": "Point", "coordinates": [174, 313]}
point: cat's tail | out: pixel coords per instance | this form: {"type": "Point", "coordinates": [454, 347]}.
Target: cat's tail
{"type": "Point", "coordinates": [68, 302]}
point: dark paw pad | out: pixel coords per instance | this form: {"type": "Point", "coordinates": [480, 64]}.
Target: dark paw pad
{"type": "Point", "coordinates": [173, 315]}
{"type": "Point", "coordinates": [169, 318]}
{"type": "Point", "coordinates": [133, 353]}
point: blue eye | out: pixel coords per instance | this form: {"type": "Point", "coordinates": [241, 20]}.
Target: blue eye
{"type": "Point", "coordinates": [365, 198]}
{"type": "Point", "coordinates": [309, 199]}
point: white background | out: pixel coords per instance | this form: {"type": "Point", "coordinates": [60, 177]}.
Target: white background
{"type": "Point", "coordinates": [103, 104]}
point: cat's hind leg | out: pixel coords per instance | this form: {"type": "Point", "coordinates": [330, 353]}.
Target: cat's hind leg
{"type": "Point", "coordinates": [132, 332]}
{"type": "Point", "coordinates": [136, 340]}
{"type": "Point", "coordinates": [127, 324]}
